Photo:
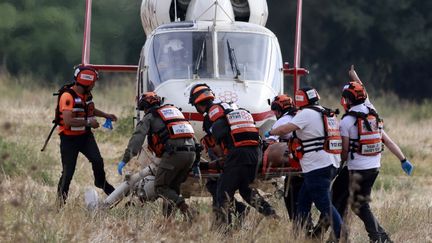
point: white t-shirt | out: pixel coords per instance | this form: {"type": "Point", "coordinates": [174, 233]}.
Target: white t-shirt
{"type": "Point", "coordinates": [348, 128]}
{"type": "Point", "coordinates": [282, 121]}
{"type": "Point", "coordinates": [311, 126]}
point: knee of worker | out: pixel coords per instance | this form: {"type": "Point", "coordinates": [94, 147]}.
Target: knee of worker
{"type": "Point", "coordinates": [164, 191]}
{"type": "Point", "coordinates": [97, 164]}
{"type": "Point", "coordinates": [360, 206]}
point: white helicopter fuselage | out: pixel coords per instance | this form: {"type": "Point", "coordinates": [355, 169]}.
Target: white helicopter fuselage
{"type": "Point", "coordinates": [240, 61]}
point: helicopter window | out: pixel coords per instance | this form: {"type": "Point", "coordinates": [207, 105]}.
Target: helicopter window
{"type": "Point", "coordinates": [173, 55]}
{"type": "Point", "coordinates": [249, 58]}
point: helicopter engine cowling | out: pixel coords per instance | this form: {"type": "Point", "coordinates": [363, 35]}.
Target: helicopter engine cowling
{"type": "Point", "coordinates": [157, 12]}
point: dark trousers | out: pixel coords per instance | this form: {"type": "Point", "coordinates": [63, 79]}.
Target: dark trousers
{"type": "Point", "coordinates": [361, 183]}
{"type": "Point", "coordinates": [172, 171]}
{"type": "Point", "coordinates": [340, 195]}
{"type": "Point", "coordinates": [316, 189]}
{"type": "Point", "coordinates": [239, 178]}
{"type": "Point", "coordinates": [70, 146]}
{"type": "Point", "coordinates": [211, 186]}
{"type": "Point", "coordinates": [292, 188]}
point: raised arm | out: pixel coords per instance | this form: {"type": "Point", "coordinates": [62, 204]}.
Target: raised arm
{"type": "Point", "coordinates": [353, 75]}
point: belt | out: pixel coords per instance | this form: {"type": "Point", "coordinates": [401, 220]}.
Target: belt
{"type": "Point", "coordinates": [185, 148]}
{"type": "Point", "coordinates": [180, 148]}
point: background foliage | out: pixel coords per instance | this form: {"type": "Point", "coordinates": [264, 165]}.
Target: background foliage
{"type": "Point", "coordinates": [389, 41]}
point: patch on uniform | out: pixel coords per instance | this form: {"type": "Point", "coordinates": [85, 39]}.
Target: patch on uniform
{"type": "Point", "coordinates": [68, 102]}
{"type": "Point", "coordinates": [87, 77]}
{"type": "Point", "coordinates": [299, 98]}
{"type": "Point", "coordinates": [214, 112]}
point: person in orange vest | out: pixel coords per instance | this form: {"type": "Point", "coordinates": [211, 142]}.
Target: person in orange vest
{"type": "Point", "coordinates": [235, 134]}
{"type": "Point", "coordinates": [318, 146]}
{"type": "Point", "coordinates": [363, 138]}
{"type": "Point", "coordinates": [171, 138]}
{"type": "Point", "coordinates": [76, 116]}
{"type": "Point", "coordinates": [284, 109]}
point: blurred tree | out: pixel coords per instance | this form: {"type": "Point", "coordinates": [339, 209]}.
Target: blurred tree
{"type": "Point", "coordinates": [389, 41]}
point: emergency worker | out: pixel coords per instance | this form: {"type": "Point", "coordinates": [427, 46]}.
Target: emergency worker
{"type": "Point", "coordinates": [171, 138]}
{"type": "Point", "coordinates": [341, 184]}
{"type": "Point", "coordinates": [284, 109]}
{"type": "Point", "coordinates": [202, 97]}
{"type": "Point", "coordinates": [316, 132]}
{"type": "Point", "coordinates": [238, 144]}
{"type": "Point", "coordinates": [75, 115]}
{"type": "Point", "coordinates": [363, 137]}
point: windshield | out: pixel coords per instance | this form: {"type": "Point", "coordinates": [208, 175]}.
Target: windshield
{"type": "Point", "coordinates": [188, 55]}
{"type": "Point", "coordinates": [244, 53]}
{"type": "Point", "coordinates": [178, 55]}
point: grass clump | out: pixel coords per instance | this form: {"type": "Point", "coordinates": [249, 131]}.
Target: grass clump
{"type": "Point", "coordinates": [19, 160]}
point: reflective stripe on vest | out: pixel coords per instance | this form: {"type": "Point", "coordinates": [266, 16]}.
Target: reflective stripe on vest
{"type": "Point", "coordinates": [331, 142]}
{"type": "Point", "coordinates": [242, 127]}
{"type": "Point", "coordinates": [369, 127]}
{"type": "Point", "coordinates": [176, 126]}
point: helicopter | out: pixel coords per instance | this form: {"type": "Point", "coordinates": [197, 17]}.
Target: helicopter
{"type": "Point", "coordinates": [223, 43]}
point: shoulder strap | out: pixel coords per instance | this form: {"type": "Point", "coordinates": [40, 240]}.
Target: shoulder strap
{"type": "Point", "coordinates": [67, 88]}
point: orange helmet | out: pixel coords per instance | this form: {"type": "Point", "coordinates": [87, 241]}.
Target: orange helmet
{"type": "Point", "coordinates": [85, 76]}
{"type": "Point", "coordinates": [306, 96]}
{"type": "Point", "coordinates": [355, 92]}
{"type": "Point", "coordinates": [200, 93]}
{"type": "Point", "coordinates": [282, 103]}
{"type": "Point", "coordinates": [148, 100]}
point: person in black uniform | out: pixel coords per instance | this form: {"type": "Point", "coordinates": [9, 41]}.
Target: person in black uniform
{"type": "Point", "coordinates": [202, 97]}
{"type": "Point", "coordinates": [235, 133]}
{"type": "Point", "coordinates": [76, 116]}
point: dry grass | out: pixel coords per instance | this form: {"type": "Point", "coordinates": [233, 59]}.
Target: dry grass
{"type": "Point", "coordinates": [402, 204]}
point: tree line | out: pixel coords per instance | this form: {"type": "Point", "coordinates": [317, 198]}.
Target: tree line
{"type": "Point", "coordinates": [389, 41]}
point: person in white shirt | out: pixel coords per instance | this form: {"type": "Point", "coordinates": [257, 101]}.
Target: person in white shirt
{"type": "Point", "coordinates": [362, 143]}
{"type": "Point", "coordinates": [318, 163]}
{"type": "Point", "coordinates": [284, 109]}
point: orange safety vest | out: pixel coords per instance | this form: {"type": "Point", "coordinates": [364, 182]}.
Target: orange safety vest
{"type": "Point", "coordinates": [176, 126]}
{"type": "Point", "coordinates": [242, 126]}
{"type": "Point", "coordinates": [82, 109]}
{"type": "Point", "coordinates": [208, 141]}
{"type": "Point", "coordinates": [369, 127]}
{"type": "Point", "coordinates": [331, 142]}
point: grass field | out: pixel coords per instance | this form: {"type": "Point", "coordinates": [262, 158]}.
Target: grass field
{"type": "Point", "coordinates": [28, 178]}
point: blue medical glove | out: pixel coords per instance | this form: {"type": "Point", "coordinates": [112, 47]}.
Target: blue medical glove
{"type": "Point", "coordinates": [267, 134]}
{"type": "Point", "coordinates": [120, 166]}
{"type": "Point", "coordinates": [196, 171]}
{"type": "Point", "coordinates": [108, 124]}
{"type": "Point", "coordinates": [407, 166]}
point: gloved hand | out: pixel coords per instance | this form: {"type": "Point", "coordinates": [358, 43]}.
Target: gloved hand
{"type": "Point", "coordinates": [120, 166]}
{"type": "Point", "coordinates": [407, 166]}
{"type": "Point", "coordinates": [267, 134]}
{"type": "Point", "coordinates": [196, 171]}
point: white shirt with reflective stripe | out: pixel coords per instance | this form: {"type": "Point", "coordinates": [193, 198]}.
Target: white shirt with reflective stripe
{"type": "Point", "coordinates": [311, 126]}
{"type": "Point", "coordinates": [348, 128]}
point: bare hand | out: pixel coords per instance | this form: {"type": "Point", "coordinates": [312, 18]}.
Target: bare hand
{"type": "Point", "coordinates": [94, 123]}
{"type": "Point", "coordinates": [112, 117]}
{"type": "Point", "coordinates": [353, 75]}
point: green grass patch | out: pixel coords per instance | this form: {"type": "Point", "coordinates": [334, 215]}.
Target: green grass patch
{"type": "Point", "coordinates": [20, 160]}
{"type": "Point", "coordinates": [391, 182]}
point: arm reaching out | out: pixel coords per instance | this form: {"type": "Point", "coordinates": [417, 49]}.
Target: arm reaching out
{"type": "Point", "coordinates": [406, 165]}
